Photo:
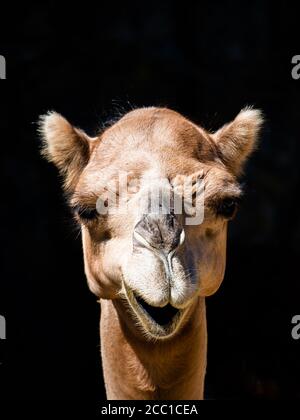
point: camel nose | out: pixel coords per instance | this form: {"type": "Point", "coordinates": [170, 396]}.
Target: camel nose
{"type": "Point", "coordinates": [159, 232]}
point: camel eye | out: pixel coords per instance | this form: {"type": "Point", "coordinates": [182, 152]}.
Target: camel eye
{"type": "Point", "coordinates": [228, 207]}
{"type": "Point", "coordinates": [86, 213]}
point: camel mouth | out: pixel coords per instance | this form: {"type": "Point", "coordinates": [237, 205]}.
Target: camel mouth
{"type": "Point", "coordinates": [162, 316]}
{"type": "Point", "coordinates": [156, 322]}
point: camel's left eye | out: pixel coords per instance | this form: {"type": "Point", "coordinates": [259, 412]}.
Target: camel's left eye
{"type": "Point", "coordinates": [227, 208]}
{"type": "Point", "coordinates": [85, 213]}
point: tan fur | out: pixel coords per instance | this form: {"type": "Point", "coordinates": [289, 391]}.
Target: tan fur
{"type": "Point", "coordinates": [66, 146]}
{"type": "Point", "coordinates": [237, 139]}
{"type": "Point", "coordinates": [140, 360]}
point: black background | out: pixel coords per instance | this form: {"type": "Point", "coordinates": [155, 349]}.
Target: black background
{"type": "Point", "coordinates": [90, 62]}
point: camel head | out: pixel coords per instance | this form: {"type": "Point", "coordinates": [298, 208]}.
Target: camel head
{"type": "Point", "coordinates": [157, 259]}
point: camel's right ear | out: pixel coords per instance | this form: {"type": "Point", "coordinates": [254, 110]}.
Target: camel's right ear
{"type": "Point", "coordinates": [64, 145]}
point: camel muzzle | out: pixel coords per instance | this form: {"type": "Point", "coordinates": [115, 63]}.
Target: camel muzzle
{"type": "Point", "coordinates": [161, 233]}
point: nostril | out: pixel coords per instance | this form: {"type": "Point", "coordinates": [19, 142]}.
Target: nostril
{"type": "Point", "coordinates": [138, 239]}
{"type": "Point", "coordinates": [171, 221]}
{"type": "Point", "coordinates": [147, 239]}
{"type": "Point", "coordinates": [161, 232]}
{"type": "Point", "coordinates": [149, 230]}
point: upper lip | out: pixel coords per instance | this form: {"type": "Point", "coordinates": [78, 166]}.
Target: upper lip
{"type": "Point", "coordinates": [166, 258]}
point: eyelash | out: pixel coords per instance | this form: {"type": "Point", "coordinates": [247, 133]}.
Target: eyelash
{"type": "Point", "coordinates": [227, 208]}
{"type": "Point", "coordinates": [85, 213]}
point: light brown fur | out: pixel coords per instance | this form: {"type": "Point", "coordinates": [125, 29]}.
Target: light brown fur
{"type": "Point", "coordinates": [140, 359]}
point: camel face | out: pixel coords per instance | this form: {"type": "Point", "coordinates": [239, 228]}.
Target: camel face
{"type": "Point", "coordinates": [154, 260]}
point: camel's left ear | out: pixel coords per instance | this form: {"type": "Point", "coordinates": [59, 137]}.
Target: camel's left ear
{"type": "Point", "coordinates": [237, 140]}
{"type": "Point", "coordinates": [66, 146]}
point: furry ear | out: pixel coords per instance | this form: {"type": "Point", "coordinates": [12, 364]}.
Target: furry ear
{"type": "Point", "coordinates": [237, 140]}
{"type": "Point", "coordinates": [64, 145]}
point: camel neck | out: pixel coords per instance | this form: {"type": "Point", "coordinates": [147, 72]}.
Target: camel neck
{"type": "Point", "coordinates": [136, 368]}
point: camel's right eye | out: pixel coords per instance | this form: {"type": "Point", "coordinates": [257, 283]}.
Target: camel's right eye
{"type": "Point", "coordinates": [85, 213]}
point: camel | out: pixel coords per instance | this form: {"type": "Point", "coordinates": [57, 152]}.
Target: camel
{"type": "Point", "coordinates": [151, 271]}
